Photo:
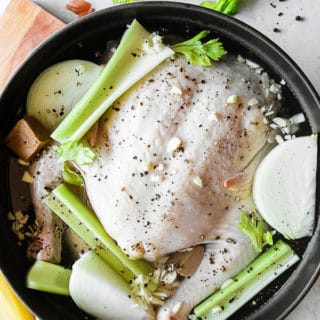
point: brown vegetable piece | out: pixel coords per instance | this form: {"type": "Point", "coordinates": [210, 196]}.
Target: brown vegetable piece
{"type": "Point", "coordinates": [27, 138]}
{"type": "Point", "coordinates": [187, 262]}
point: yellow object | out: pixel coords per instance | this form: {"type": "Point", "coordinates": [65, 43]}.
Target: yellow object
{"type": "Point", "coordinates": [10, 306]}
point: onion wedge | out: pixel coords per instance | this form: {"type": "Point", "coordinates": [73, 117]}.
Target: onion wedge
{"type": "Point", "coordinates": [284, 187]}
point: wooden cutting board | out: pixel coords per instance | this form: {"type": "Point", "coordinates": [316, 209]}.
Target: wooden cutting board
{"type": "Point", "coordinates": [23, 25]}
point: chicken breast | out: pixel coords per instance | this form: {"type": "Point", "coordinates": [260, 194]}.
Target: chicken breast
{"type": "Point", "coordinates": [176, 154]}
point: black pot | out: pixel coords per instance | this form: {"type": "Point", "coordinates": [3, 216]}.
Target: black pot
{"type": "Point", "coordinates": [81, 39]}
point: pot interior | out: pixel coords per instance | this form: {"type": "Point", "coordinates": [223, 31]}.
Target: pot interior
{"type": "Point", "coordinates": [82, 40]}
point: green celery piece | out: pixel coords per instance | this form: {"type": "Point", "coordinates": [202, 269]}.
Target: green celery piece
{"type": "Point", "coordinates": [254, 228]}
{"type": "Point", "coordinates": [49, 277]}
{"type": "Point", "coordinates": [60, 209]}
{"type": "Point", "coordinates": [71, 176]}
{"type": "Point", "coordinates": [77, 211]}
{"type": "Point", "coordinates": [74, 151]}
{"type": "Point", "coordinates": [129, 64]}
{"type": "Point", "coordinates": [224, 6]}
{"type": "Point", "coordinates": [262, 271]}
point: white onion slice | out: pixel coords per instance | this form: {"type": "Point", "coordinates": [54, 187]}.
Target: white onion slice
{"type": "Point", "coordinates": [284, 188]}
{"type": "Point", "coordinates": [57, 89]}
{"type": "Point", "coordinates": [100, 291]}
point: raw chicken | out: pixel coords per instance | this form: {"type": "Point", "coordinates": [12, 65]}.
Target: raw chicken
{"type": "Point", "coordinates": [176, 154]}
{"type": "Point", "coordinates": [224, 257]}
{"type": "Point", "coordinates": [47, 175]}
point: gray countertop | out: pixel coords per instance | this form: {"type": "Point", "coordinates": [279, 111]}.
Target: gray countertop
{"type": "Point", "coordinates": [299, 38]}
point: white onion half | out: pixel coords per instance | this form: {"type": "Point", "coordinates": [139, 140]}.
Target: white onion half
{"type": "Point", "coordinates": [98, 290]}
{"type": "Point", "coordinates": [284, 187]}
{"type": "Point", "coordinates": [57, 89]}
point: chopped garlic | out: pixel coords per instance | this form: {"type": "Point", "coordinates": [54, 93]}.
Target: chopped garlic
{"type": "Point", "coordinates": [176, 307]}
{"type": "Point", "coordinates": [173, 144]}
{"type": "Point", "coordinates": [273, 126]}
{"type": "Point", "coordinates": [19, 215]}
{"type": "Point", "coordinates": [283, 82]}
{"type": "Point", "coordinates": [275, 88]}
{"type": "Point", "coordinates": [270, 107]}
{"type": "Point", "coordinates": [160, 166]}
{"type": "Point", "coordinates": [265, 80]}
{"type": "Point", "coordinates": [232, 99]}
{"type": "Point", "coordinates": [285, 130]}
{"type": "Point", "coordinates": [23, 163]}
{"type": "Point", "coordinates": [241, 59]}
{"type": "Point", "coordinates": [11, 217]}
{"type": "Point", "coordinates": [297, 118]}
{"type": "Point", "coordinates": [79, 69]}
{"type": "Point", "coordinates": [197, 181]}
{"type": "Point", "coordinates": [252, 102]}
{"type": "Point", "coordinates": [270, 113]}
{"type": "Point", "coordinates": [280, 122]}
{"type": "Point", "coordinates": [278, 139]}
{"type": "Point", "coordinates": [226, 283]}
{"type": "Point", "coordinates": [216, 310]}
{"type": "Point", "coordinates": [169, 277]}
{"type": "Point", "coordinates": [176, 90]}
{"type": "Point", "coordinates": [251, 64]}
{"type": "Point", "coordinates": [166, 282]}
{"type": "Point", "coordinates": [258, 71]}
{"type": "Point", "coordinates": [27, 177]}
{"type": "Point", "coordinates": [216, 116]}
{"type": "Point", "coordinates": [156, 178]}
{"type": "Point", "coordinates": [147, 166]}
{"type": "Point", "coordinates": [153, 45]}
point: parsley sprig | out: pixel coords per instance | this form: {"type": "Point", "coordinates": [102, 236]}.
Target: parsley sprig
{"type": "Point", "coordinates": [200, 53]}
{"type": "Point", "coordinates": [255, 230]}
{"type": "Point", "coordinates": [224, 6]}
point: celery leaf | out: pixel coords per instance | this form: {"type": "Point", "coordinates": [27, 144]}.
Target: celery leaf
{"type": "Point", "coordinates": [199, 53]}
{"type": "Point", "coordinates": [224, 6]}
{"type": "Point", "coordinates": [70, 176]}
{"type": "Point", "coordinates": [74, 151]}
{"type": "Point", "coordinates": [255, 230]}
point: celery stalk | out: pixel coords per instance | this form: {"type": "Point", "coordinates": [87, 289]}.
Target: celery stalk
{"type": "Point", "coordinates": [136, 55]}
{"type": "Point", "coordinates": [49, 277]}
{"type": "Point", "coordinates": [82, 218]}
{"type": "Point", "coordinates": [84, 233]}
{"type": "Point", "coordinates": [248, 283]}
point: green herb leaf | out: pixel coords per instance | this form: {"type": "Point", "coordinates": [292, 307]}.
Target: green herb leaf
{"type": "Point", "coordinates": [255, 230]}
{"type": "Point", "coordinates": [200, 53]}
{"type": "Point", "coordinates": [74, 151]}
{"type": "Point", "coordinates": [71, 176]}
{"type": "Point", "coordinates": [224, 6]}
